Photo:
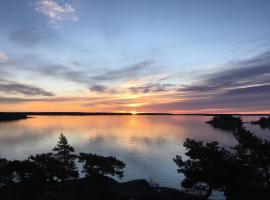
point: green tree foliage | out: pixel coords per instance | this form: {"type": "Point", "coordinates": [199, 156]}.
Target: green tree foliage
{"type": "Point", "coordinates": [241, 172]}
{"type": "Point", "coordinates": [64, 153]}
{"type": "Point", "coordinates": [100, 165]}
{"type": "Point", "coordinates": [226, 122]}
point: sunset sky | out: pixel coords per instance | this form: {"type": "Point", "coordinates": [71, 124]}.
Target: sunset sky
{"type": "Point", "coordinates": [179, 56]}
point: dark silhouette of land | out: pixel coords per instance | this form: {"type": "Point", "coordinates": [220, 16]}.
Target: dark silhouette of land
{"type": "Point", "coordinates": [226, 122]}
{"type": "Point", "coordinates": [12, 116]}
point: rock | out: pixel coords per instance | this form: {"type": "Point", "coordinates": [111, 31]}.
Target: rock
{"type": "Point", "coordinates": [94, 188]}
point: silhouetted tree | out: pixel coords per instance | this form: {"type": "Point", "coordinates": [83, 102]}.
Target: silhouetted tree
{"type": "Point", "coordinates": [5, 172]}
{"type": "Point", "coordinates": [241, 173]}
{"type": "Point", "coordinates": [63, 152]}
{"type": "Point", "coordinates": [23, 171]}
{"type": "Point", "coordinates": [206, 168]}
{"type": "Point", "coordinates": [255, 153]}
{"type": "Point", "coordinates": [49, 168]}
{"type": "Point", "coordinates": [101, 165]}
{"type": "Point", "coordinates": [226, 122]}
{"type": "Point", "coordinates": [58, 166]}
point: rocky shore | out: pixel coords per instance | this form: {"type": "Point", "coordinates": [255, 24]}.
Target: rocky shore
{"type": "Point", "coordinates": [94, 188]}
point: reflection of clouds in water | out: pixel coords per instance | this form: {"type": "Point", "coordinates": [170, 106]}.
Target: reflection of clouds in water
{"type": "Point", "coordinates": [18, 140]}
{"type": "Point", "coordinates": [152, 164]}
{"type": "Point", "coordinates": [21, 146]}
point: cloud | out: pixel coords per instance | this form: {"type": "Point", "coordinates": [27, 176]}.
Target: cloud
{"type": "Point", "coordinates": [55, 11]}
{"type": "Point", "coordinates": [12, 87]}
{"type": "Point", "coordinates": [124, 73]}
{"type": "Point", "coordinates": [3, 57]}
{"type": "Point", "coordinates": [91, 77]}
{"type": "Point", "coordinates": [152, 88]}
{"type": "Point", "coordinates": [251, 99]}
{"type": "Point", "coordinates": [255, 71]}
{"type": "Point", "coordinates": [98, 88]}
{"type": "Point", "coordinates": [245, 87]}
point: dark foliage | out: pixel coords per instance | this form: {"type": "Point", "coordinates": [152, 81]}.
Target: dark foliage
{"type": "Point", "coordinates": [241, 173]}
{"type": "Point", "coordinates": [226, 122]}
{"type": "Point", "coordinates": [63, 152]}
{"type": "Point", "coordinates": [57, 166]}
{"type": "Point", "coordinates": [207, 167]}
{"type": "Point", "coordinates": [49, 167]}
{"type": "Point", "coordinates": [100, 165]}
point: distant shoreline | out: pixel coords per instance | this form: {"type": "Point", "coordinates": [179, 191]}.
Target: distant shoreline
{"type": "Point", "coordinates": [5, 117]}
{"type": "Point", "coordinates": [23, 114]}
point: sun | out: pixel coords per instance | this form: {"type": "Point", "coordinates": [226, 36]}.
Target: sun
{"type": "Point", "coordinates": [134, 112]}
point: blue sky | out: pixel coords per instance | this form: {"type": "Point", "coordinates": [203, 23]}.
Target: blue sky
{"type": "Point", "coordinates": [124, 55]}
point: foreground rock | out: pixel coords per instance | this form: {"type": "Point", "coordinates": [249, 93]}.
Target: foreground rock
{"type": "Point", "coordinates": [92, 188]}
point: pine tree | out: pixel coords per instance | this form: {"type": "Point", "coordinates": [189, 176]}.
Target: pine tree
{"type": "Point", "coordinates": [65, 154]}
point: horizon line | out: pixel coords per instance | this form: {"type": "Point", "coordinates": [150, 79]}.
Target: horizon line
{"type": "Point", "coordinates": [129, 113]}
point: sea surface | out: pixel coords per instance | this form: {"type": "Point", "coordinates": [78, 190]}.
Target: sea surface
{"type": "Point", "coordinates": [147, 144]}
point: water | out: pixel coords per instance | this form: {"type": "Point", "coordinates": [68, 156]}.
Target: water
{"type": "Point", "coordinates": [147, 144]}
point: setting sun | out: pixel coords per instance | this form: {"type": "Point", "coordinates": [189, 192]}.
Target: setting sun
{"type": "Point", "coordinates": [134, 112]}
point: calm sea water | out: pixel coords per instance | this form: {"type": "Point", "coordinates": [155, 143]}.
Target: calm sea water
{"type": "Point", "coordinates": [147, 144]}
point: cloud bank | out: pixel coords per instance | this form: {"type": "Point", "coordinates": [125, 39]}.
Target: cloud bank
{"type": "Point", "coordinates": [12, 87]}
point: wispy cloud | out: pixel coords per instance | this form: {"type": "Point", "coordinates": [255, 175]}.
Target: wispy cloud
{"type": "Point", "coordinates": [246, 73]}
{"type": "Point", "coordinates": [98, 88]}
{"type": "Point", "coordinates": [55, 11]}
{"type": "Point", "coordinates": [92, 77]}
{"type": "Point", "coordinates": [123, 73]}
{"type": "Point", "coordinates": [152, 88]}
{"type": "Point", "coordinates": [12, 87]}
{"type": "Point", "coordinates": [3, 57]}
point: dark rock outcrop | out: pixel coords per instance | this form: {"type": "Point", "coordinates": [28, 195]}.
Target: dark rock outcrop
{"type": "Point", "coordinates": [92, 188]}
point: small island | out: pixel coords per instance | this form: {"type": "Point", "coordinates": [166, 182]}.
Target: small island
{"type": "Point", "coordinates": [263, 122]}
{"type": "Point", "coordinates": [226, 122]}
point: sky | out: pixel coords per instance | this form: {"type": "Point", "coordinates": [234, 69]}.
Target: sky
{"type": "Point", "coordinates": [177, 56]}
